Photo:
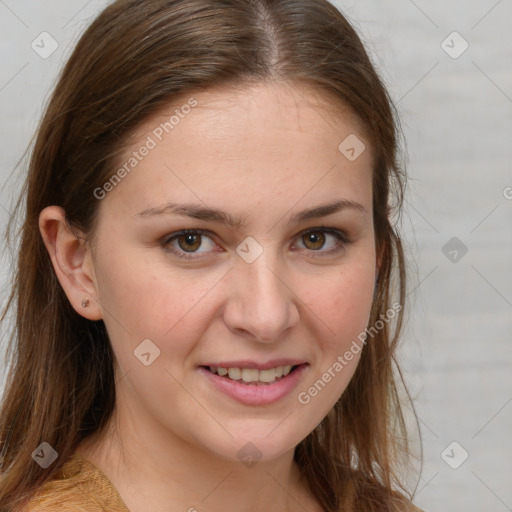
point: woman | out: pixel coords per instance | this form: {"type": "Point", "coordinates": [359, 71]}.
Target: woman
{"type": "Point", "coordinates": [205, 312]}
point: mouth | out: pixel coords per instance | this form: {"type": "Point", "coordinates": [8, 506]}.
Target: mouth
{"type": "Point", "coordinates": [253, 376]}
{"type": "Point", "coordinates": [249, 385]}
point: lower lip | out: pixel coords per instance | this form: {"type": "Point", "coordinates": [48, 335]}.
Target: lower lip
{"type": "Point", "coordinates": [256, 394]}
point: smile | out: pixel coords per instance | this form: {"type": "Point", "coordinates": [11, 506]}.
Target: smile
{"type": "Point", "coordinates": [253, 375]}
{"type": "Point", "coordinates": [253, 386]}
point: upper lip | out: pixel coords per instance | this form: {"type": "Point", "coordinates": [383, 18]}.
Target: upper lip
{"type": "Point", "coordinates": [255, 365]}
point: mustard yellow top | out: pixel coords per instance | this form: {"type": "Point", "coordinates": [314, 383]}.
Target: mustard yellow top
{"type": "Point", "coordinates": [79, 486]}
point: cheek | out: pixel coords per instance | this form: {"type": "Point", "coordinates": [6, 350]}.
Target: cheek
{"type": "Point", "coordinates": [142, 299]}
{"type": "Point", "coordinates": [341, 310]}
{"type": "Point", "coordinates": [342, 301]}
{"type": "Point", "coordinates": [351, 301]}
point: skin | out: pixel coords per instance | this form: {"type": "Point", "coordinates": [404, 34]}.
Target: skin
{"type": "Point", "coordinates": [262, 152]}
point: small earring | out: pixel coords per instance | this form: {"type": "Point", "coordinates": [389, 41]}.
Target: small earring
{"type": "Point", "coordinates": [85, 303]}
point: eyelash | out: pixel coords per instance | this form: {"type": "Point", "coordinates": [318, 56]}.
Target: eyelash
{"type": "Point", "coordinates": [343, 241]}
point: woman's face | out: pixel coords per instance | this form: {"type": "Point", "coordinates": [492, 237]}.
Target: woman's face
{"type": "Point", "coordinates": [252, 292]}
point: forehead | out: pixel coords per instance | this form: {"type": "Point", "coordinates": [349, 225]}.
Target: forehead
{"type": "Point", "coordinates": [245, 143]}
{"type": "Point", "coordinates": [240, 111]}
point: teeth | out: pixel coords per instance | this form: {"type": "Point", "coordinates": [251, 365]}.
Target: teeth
{"type": "Point", "coordinates": [235, 373]}
{"type": "Point", "coordinates": [252, 374]}
{"type": "Point", "coordinates": [267, 375]}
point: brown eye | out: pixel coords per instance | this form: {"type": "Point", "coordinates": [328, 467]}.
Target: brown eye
{"type": "Point", "coordinates": [316, 239]}
{"type": "Point", "coordinates": [189, 242]}
{"type": "Point", "coordinates": [323, 241]}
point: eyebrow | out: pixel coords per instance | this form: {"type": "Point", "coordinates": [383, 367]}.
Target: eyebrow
{"type": "Point", "coordinates": [211, 214]}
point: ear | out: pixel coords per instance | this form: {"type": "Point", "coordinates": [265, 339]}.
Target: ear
{"type": "Point", "coordinates": [72, 260]}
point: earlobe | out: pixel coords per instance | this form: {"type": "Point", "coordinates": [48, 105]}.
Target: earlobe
{"type": "Point", "coordinates": [72, 262]}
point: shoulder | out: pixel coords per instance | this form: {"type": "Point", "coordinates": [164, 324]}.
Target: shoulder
{"type": "Point", "coordinates": [79, 486]}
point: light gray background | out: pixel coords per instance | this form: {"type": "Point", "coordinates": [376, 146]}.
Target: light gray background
{"type": "Point", "coordinates": [457, 119]}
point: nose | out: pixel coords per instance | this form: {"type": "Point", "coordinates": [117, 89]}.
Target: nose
{"type": "Point", "coordinates": [261, 304]}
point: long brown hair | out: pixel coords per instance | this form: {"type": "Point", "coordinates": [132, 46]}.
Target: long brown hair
{"type": "Point", "coordinates": [134, 58]}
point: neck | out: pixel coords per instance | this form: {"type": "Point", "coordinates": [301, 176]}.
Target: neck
{"type": "Point", "coordinates": [160, 471]}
